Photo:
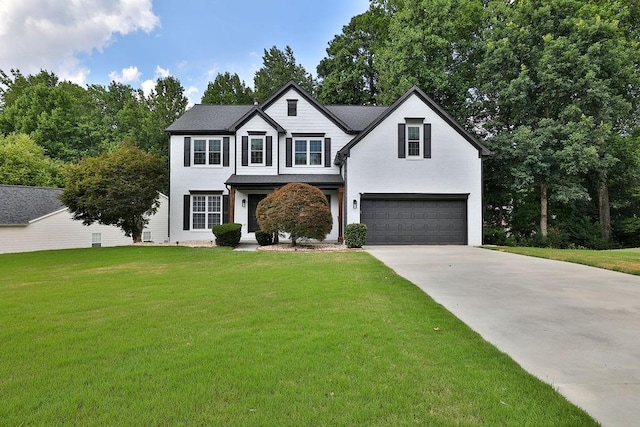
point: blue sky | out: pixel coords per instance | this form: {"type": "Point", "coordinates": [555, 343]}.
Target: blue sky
{"type": "Point", "coordinates": [137, 41]}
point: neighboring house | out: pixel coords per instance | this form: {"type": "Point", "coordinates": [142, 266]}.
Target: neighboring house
{"type": "Point", "coordinates": [408, 171]}
{"type": "Point", "coordinates": [33, 219]}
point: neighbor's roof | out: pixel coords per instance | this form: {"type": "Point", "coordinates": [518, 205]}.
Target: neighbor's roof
{"type": "Point", "coordinates": [20, 204]}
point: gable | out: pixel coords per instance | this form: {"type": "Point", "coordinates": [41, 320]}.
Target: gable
{"type": "Point", "coordinates": [413, 93]}
{"type": "Point", "coordinates": [293, 91]}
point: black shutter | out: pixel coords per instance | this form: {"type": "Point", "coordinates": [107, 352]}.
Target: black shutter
{"type": "Point", "coordinates": [186, 211]}
{"type": "Point", "coordinates": [289, 152]}
{"type": "Point", "coordinates": [225, 151]}
{"type": "Point", "coordinates": [245, 151]}
{"type": "Point", "coordinates": [327, 152]}
{"type": "Point", "coordinates": [187, 151]}
{"type": "Point", "coordinates": [225, 208]}
{"type": "Point", "coordinates": [269, 161]}
{"type": "Point", "coordinates": [401, 140]}
{"type": "Point", "coordinates": [427, 140]}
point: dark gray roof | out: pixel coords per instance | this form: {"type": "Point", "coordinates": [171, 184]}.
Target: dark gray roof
{"type": "Point", "coordinates": [20, 204]}
{"type": "Point", "coordinates": [357, 117]}
{"type": "Point", "coordinates": [209, 118]}
{"type": "Point", "coordinates": [270, 181]}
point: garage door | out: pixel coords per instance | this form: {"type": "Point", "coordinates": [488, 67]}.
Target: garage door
{"type": "Point", "coordinates": [415, 222]}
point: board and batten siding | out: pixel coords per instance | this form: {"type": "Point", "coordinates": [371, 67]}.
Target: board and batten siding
{"type": "Point", "coordinates": [454, 167]}
{"type": "Point", "coordinates": [59, 230]}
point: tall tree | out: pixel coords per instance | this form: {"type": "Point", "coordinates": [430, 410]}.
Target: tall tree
{"type": "Point", "coordinates": [278, 68]}
{"type": "Point", "coordinates": [23, 162]}
{"type": "Point", "coordinates": [434, 44]}
{"type": "Point", "coordinates": [52, 112]}
{"type": "Point", "coordinates": [118, 188]}
{"type": "Point", "coordinates": [349, 74]}
{"type": "Point", "coordinates": [227, 89]}
{"type": "Point", "coordinates": [560, 82]}
{"type": "Point", "coordinates": [166, 103]}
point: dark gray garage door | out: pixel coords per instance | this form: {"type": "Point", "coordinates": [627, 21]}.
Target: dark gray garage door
{"type": "Point", "coordinates": [415, 222]}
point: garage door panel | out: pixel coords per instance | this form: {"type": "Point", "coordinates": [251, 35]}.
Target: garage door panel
{"type": "Point", "coordinates": [430, 222]}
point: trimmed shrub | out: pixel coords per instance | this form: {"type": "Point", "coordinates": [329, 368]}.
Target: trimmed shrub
{"type": "Point", "coordinates": [355, 235]}
{"type": "Point", "coordinates": [264, 238]}
{"type": "Point", "coordinates": [227, 234]}
{"type": "Point", "coordinates": [299, 209]}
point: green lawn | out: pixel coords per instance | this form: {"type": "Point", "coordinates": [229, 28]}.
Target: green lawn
{"type": "Point", "coordinates": [186, 336]}
{"type": "Point", "coordinates": [624, 260]}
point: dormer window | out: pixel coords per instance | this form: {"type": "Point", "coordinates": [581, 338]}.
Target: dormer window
{"type": "Point", "coordinates": [292, 107]}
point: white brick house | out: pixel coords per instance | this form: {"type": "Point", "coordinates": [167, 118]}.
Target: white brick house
{"type": "Point", "coordinates": [408, 171]}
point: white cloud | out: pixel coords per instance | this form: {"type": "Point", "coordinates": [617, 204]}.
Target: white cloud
{"type": "Point", "coordinates": [128, 75]}
{"type": "Point", "coordinates": [45, 34]}
{"type": "Point", "coordinates": [191, 93]}
{"type": "Point", "coordinates": [149, 85]}
{"type": "Point", "coordinates": [162, 73]}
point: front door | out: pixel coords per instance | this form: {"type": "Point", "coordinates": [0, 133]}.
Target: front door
{"type": "Point", "coordinates": [254, 199]}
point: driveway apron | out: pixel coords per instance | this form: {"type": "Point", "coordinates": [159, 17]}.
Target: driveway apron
{"type": "Point", "coordinates": [574, 327]}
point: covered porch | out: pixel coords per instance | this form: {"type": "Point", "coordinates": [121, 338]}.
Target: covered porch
{"type": "Point", "coordinates": [246, 191]}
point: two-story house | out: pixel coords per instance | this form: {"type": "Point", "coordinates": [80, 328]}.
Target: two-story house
{"type": "Point", "coordinates": [408, 171]}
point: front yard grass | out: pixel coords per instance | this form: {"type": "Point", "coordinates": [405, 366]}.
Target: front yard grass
{"type": "Point", "coordinates": [200, 336]}
{"type": "Point", "coordinates": [623, 260]}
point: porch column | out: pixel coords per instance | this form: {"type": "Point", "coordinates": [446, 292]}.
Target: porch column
{"type": "Point", "coordinates": [340, 213]}
{"type": "Point", "coordinates": [232, 204]}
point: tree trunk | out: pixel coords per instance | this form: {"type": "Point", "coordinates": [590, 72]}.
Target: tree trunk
{"type": "Point", "coordinates": [604, 209]}
{"type": "Point", "coordinates": [137, 236]}
{"type": "Point", "coordinates": [544, 207]}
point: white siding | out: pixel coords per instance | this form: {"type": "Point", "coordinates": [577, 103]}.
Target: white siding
{"type": "Point", "coordinates": [455, 166]}
{"type": "Point", "coordinates": [194, 178]}
{"type": "Point", "coordinates": [60, 231]}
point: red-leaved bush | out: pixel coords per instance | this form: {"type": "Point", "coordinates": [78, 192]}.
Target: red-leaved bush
{"type": "Point", "coordinates": [299, 209]}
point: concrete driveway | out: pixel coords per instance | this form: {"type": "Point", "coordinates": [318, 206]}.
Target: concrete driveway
{"type": "Point", "coordinates": [574, 327]}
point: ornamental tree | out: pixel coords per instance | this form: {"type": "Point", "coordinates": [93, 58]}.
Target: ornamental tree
{"type": "Point", "coordinates": [301, 210]}
{"type": "Point", "coordinates": [118, 188]}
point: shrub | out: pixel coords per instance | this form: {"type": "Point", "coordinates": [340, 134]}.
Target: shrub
{"type": "Point", "coordinates": [264, 238]}
{"type": "Point", "coordinates": [355, 235]}
{"type": "Point", "coordinates": [497, 236]}
{"type": "Point", "coordinates": [227, 234]}
{"type": "Point", "coordinates": [301, 210]}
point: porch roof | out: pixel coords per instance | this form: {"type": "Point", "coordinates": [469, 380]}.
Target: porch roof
{"type": "Point", "coordinates": [325, 181]}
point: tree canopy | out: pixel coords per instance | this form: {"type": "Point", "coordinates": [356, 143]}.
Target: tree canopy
{"type": "Point", "coordinates": [299, 209]}
{"type": "Point", "coordinates": [278, 68]}
{"type": "Point", "coordinates": [227, 89]}
{"type": "Point", "coordinates": [119, 187]}
{"type": "Point", "coordinates": [23, 162]}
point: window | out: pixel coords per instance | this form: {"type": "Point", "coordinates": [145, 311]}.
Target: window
{"type": "Point", "coordinates": [207, 152]}
{"type": "Point", "coordinates": [146, 236]}
{"type": "Point", "coordinates": [257, 151]}
{"type": "Point", "coordinates": [292, 107]}
{"type": "Point", "coordinates": [413, 140]}
{"type": "Point", "coordinates": [96, 240]}
{"type": "Point", "coordinates": [308, 152]}
{"type": "Point", "coordinates": [206, 211]}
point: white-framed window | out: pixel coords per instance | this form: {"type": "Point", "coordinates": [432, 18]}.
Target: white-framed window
{"type": "Point", "coordinates": [96, 240]}
{"type": "Point", "coordinates": [414, 140]}
{"type": "Point", "coordinates": [206, 211]}
{"type": "Point", "coordinates": [256, 150]}
{"type": "Point", "coordinates": [308, 152]}
{"type": "Point", "coordinates": [146, 236]}
{"type": "Point", "coordinates": [207, 151]}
